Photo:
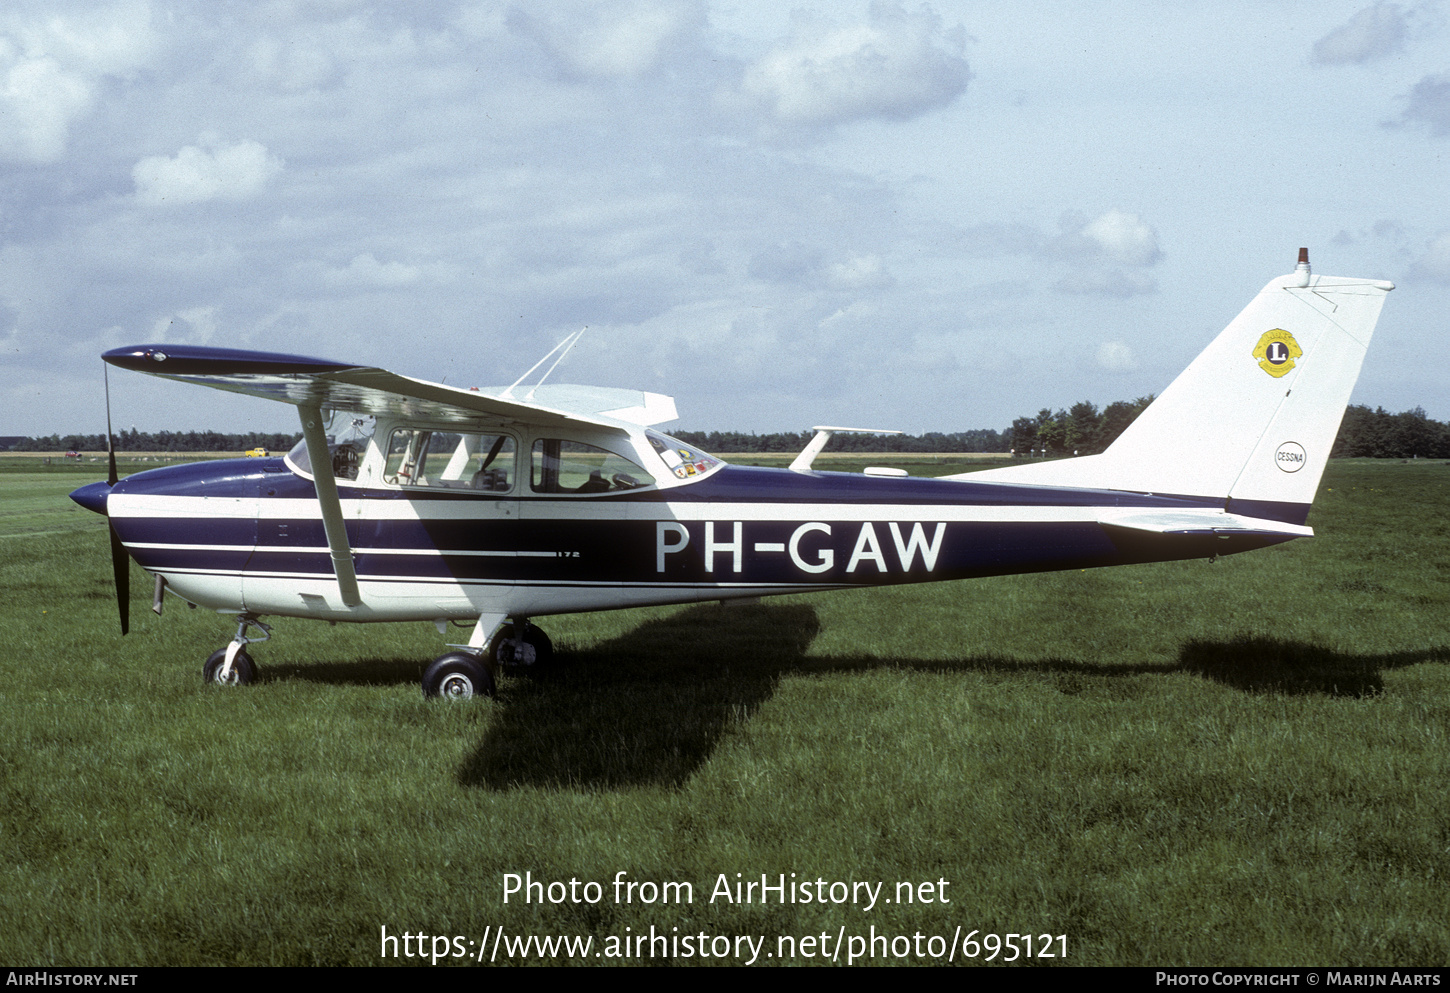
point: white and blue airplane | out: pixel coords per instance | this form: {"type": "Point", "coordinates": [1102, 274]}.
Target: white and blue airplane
{"type": "Point", "coordinates": [499, 506]}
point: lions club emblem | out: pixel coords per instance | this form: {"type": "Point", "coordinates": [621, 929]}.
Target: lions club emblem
{"type": "Point", "coordinates": [1276, 352]}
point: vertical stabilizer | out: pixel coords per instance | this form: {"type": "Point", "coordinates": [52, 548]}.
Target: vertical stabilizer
{"type": "Point", "coordinates": [1253, 418]}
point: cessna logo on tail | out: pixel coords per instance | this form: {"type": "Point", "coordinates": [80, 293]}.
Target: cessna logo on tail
{"type": "Point", "coordinates": [1289, 456]}
{"type": "Point", "coordinates": [1276, 352]}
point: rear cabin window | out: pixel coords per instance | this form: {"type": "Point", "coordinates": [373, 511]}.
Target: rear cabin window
{"type": "Point", "coordinates": [418, 457]}
{"type": "Point", "coordinates": [561, 466]}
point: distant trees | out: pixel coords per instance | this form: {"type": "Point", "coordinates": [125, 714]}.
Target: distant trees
{"type": "Point", "coordinates": [1081, 430]}
{"type": "Point", "coordinates": [1363, 433]}
{"type": "Point", "coordinates": [160, 441]}
{"type": "Point", "coordinates": [981, 440]}
{"type": "Point", "coordinates": [1379, 434]}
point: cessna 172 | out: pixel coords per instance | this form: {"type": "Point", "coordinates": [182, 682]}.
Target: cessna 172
{"type": "Point", "coordinates": [439, 503]}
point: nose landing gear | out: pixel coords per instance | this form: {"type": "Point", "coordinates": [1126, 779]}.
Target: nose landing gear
{"type": "Point", "coordinates": [233, 666]}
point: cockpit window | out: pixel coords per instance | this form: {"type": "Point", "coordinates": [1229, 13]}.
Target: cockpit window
{"type": "Point", "coordinates": [419, 457]}
{"type": "Point", "coordinates": [347, 442]}
{"type": "Point", "coordinates": [561, 466]}
{"type": "Point", "coordinates": [685, 461]}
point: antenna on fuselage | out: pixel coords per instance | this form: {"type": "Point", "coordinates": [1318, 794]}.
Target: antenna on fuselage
{"type": "Point", "coordinates": [567, 344]}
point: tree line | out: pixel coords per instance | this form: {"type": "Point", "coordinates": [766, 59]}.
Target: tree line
{"type": "Point", "coordinates": [161, 441]}
{"type": "Point", "coordinates": [981, 440]}
{"type": "Point", "coordinates": [1081, 429]}
{"type": "Point", "coordinates": [1378, 434]}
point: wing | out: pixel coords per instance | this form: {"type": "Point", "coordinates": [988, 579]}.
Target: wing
{"type": "Point", "coordinates": [311, 382]}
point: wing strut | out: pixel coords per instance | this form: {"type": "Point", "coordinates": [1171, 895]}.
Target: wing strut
{"type": "Point", "coordinates": [331, 505]}
{"type": "Point", "coordinates": [813, 447]}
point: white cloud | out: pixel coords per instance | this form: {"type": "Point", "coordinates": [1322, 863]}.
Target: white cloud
{"type": "Point", "coordinates": [897, 65]}
{"type": "Point", "coordinates": [50, 67]}
{"type": "Point", "coordinates": [1124, 239]}
{"type": "Point", "coordinates": [609, 40]}
{"type": "Point", "coordinates": [38, 101]}
{"type": "Point", "coordinates": [859, 272]}
{"type": "Point", "coordinates": [213, 172]}
{"type": "Point", "coordinates": [806, 266]}
{"type": "Point", "coordinates": [293, 64]}
{"type": "Point", "coordinates": [1370, 34]}
{"type": "Point", "coordinates": [1115, 356]}
{"type": "Point", "coordinates": [1107, 254]}
{"type": "Point", "coordinates": [365, 271]}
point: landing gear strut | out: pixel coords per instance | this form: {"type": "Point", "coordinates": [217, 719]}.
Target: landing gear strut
{"type": "Point", "coordinates": [232, 666]}
{"type": "Point", "coordinates": [522, 647]}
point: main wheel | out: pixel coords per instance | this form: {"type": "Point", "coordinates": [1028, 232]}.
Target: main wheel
{"type": "Point", "coordinates": [244, 670]}
{"type": "Point", "coordinates": [458, 676]}
{"type": "Point", "coordinates": [536, 644]}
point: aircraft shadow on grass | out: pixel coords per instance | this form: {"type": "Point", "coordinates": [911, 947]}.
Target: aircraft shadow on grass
{"type": "Point", "coordinates": [649, 707]}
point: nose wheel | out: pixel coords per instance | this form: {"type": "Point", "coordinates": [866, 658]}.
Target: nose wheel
{"type": "Point", "coordinates": [233, 666]}
{"type": "Point", "coordinates": [243, 670]}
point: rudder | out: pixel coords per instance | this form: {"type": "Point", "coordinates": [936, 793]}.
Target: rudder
{"type": "Point", "coordinates": [1253, 417]}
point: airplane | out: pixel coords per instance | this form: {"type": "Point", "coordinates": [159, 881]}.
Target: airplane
{"type": "Point", "coordinates": [409, 500]}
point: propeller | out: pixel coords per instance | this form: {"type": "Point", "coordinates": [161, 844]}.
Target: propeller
{"type": "Point", "coordinates": [120, 561]}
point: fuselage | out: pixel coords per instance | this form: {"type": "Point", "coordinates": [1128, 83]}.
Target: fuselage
{"type": "Point", "coordinates": [248, 535]}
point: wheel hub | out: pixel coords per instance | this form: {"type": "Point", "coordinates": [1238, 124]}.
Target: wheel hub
{"type": "Point", "coordinates": [457, 687]}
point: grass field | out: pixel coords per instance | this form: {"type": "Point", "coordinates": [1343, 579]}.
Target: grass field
{"type": "Point", "coordinates": [1237, 762]}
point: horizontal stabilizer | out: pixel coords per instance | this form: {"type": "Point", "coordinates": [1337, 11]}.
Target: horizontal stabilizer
{"type": "Point", "coordinates": [1203, 523]}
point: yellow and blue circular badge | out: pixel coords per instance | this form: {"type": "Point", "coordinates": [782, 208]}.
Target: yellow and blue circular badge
{"type": "Point", "coordinates": [1276, 352]}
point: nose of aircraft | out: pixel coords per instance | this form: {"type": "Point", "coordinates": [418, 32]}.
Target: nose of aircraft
{"type": "Point", "coordinates": [93, 497]}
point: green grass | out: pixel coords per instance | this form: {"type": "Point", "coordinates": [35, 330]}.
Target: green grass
{"type": "Point", "coordinates": [1238, 762]}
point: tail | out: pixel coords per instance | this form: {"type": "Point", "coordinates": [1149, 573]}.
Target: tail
{"type": "Point", "coordinates": [1253, 418]}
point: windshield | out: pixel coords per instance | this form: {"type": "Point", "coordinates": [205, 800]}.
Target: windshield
{"type": "Point", "coordinates": [347, 440]}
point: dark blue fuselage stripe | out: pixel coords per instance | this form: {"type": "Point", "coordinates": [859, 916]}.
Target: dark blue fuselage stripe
{"type": "Point", "coordinates": [631, 552]}
{"type": "Point", "coordinates": [729, 484]}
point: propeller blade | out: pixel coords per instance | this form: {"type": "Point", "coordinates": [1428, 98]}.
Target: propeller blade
{"type": "Point", "coordinates": [121, 568]}
{"type": "Point", "coordinates": [120, 561]}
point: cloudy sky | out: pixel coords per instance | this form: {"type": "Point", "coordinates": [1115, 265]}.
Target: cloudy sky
{"type": "Point", "coordinates": [931, 216]}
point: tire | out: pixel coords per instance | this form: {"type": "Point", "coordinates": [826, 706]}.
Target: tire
{"type": "Point", "coordinates": [244, 670]}
{"type": "Point", "coordinates": [503, 652]}
{"type": "Point", "coordinates": [458, 676]}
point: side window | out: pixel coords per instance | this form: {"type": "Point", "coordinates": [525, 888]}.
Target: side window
{"type": "Point", "coordinates": [418, 457]}
{"type": "Point", "coordinates": [561, 466]}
